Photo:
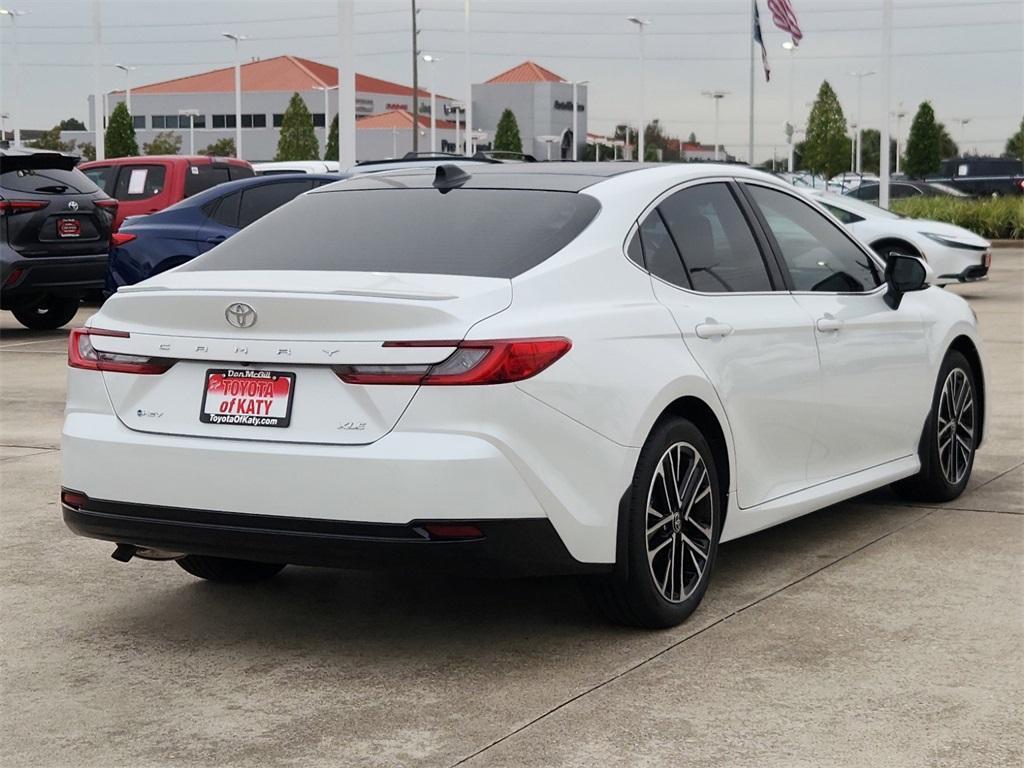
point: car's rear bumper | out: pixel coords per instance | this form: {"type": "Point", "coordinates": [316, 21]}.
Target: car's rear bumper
{"type": "Point", "coordinates": [28, 278]}
{"type": "Point", "coordinates": [526, 547]}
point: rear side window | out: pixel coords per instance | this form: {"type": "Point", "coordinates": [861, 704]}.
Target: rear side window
{"type": "Point", "coordinates": [199, 178]}
{"type": "Point", "coordinates": [138, 182]}
{"type": "Point", "coordinates": [718, 248]}
{"type": "Point", "coordinates": [225, 210]}
{"type": "Point", "coordinates": [259, 201]}
{"type": "Point", "coordinates": [660, 254]}
{"type": "Point", "coordinates": [240, 172]}
{"type": "Point", "coordinates": [479, 232]}
{"type": "Point", "coordinates": [47, 181]}
{"type": "Point", "coordinates": [103, 177]}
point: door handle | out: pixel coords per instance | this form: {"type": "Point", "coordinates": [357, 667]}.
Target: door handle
{"type": "Point", "coordinates": [828, 324]}
{"type": "Point", "coordinates": [712, 330]}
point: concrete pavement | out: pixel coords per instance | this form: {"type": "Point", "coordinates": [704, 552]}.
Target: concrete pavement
{"type": "Point", "coordinates": [870, 633]}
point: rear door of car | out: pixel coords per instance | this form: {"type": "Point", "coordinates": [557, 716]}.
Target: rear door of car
{"type": "Point", "coordinates": [753, 341]}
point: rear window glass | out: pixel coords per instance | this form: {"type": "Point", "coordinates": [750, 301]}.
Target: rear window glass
{"type": "Point", "coordinates": [199, 178]}
{"type": "Point", "coordinates": [478, 232]}
{"type": "Point", "coordinates": [47, 181]}
{"type": "Point", "coordinates": [139, 182]}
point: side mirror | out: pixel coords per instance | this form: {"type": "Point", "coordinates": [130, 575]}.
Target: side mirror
{"type": "Point", "coordinates": [903, 274]}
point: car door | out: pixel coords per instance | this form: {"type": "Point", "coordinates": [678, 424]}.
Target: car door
{"type": "Point", "coordinates": [874, 395]}
{"type": "Point", "coordinates": [141, 188]}
{"type": "Point", "coordinates": [221, 222]}
{"type": "Point", "coordinates": [752, 340]}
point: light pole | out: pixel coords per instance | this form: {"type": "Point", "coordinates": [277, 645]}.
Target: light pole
{"type": "Point", "coordinates": [575, 115]}
{"type": "Point", "coordinates": [640, 24]}
{"type": "Point", "coordinates": [191, 113]}
{"type": "Point", "coordinates": [238, 90]}
{"type": "Point", "coordinates": [430, 59]}
{"type": "Point", "coordinates": [127, 84]}
{"type": "Point", "coordinates": [327, 112]}
{"type": "Point", "coordinates": [857, 138]}
{"type": "Point", "coordinates": [790, 46]}
{"type": "Point", "coordinates": [13, 15]}
{"type": "Point", "coordinates": [853, 148]}
{"type": "Point", "coordinates": [963, 133]}
{"type": "Point", "coordinates": [717, 96]}
{"type": "Point", "coordinates": [899, 114]}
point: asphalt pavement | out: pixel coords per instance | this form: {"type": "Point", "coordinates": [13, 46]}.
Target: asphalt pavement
{"type": "Point", "coordinates": [872, 633]}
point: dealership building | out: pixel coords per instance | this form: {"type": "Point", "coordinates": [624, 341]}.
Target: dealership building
{"type": "Point", "coordinates": [541, 101]}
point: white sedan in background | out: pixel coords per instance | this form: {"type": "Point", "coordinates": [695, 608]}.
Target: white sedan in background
{"type": "Point", "coordinates": [955, 254]}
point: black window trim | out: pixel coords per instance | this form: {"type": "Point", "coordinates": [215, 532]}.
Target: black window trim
{"type": "Point", "coordinates": [778, 279]}
{"type": "Point", "coordinates": [766, 233]}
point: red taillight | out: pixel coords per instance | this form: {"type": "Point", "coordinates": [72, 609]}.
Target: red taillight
{"type": "Point", "coordinates": [110, 205]}
{"type": "Point", "coordinates": [73, 499]}
{"type": "Point", "coordinates": [13, 277]}
{"type": "Point", "coordinates": [496, 361]}
{"type": "Point", "coordinates": [120, 238]}
{"type": "Point", "coordinates": [452, 531]}
{"type": "Point", "coordinates": [14, 207]}
{"type": "Point", "coordinates": [82, 354]}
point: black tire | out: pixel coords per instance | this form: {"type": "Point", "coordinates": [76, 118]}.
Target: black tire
{"type": "Point", "coordinates": [49, 314]}
{"type": "Point", "coordinates": [228, 570]}
{"type": "Point", "coordinates": [637, 598]}
{"type": "Point", "coordinates": [936, 481]}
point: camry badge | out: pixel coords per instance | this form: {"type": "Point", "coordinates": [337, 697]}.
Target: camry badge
{"type": "Point", "coordinates": [240, 315]}
{"type": "Point", "coordinates": [72, 205]}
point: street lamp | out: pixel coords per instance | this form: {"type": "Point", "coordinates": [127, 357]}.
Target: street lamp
{"type": "Point", "coordinates": [327, 112]}
{"type": "Point", "coordinates": [127, 84]}
{"type": "Point", "coordinates": [790, 46]}
{"type": "Point", "coordinates": [963, 133]}
{"type": "Point", "coordinates": [14, 14]}
{"type": "Point", "coordinates": [575, 114]}
{"type": "Point", "coordinates": [640, 24]}
{"type": "Point", "coordinates": [857, 138]}
{"type": "Point", "coordinates": [717, 96]}
{"type": "Point", "coordinates": [853, 147]}
{"type": "Point", "coordinates": [191, 113]}
{"type": "Point", "coordinates": [238, 91]}
{"type": "Point", "coordinates": [430, 59]}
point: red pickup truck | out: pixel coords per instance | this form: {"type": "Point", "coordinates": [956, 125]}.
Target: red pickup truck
{"type": "Point", "coordinates": [149, 184]}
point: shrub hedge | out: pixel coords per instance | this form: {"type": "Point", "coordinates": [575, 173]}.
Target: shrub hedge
{"type": "Point", "coordinates": [992, 218]}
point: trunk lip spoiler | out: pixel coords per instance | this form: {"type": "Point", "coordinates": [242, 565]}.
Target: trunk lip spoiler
{"type": "Point", "coordinates": [414, 295]}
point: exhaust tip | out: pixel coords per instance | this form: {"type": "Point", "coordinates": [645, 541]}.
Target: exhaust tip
{"type": "Point", "coordinates": [124, 552]}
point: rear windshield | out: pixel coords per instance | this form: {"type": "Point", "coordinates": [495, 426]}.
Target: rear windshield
{"type": "Point", "coordinates": [46, 181]}
{"type": "Point", "coordinates": [477, 232]}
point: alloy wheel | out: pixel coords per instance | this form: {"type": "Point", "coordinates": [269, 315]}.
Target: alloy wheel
{"type": "Point", "coordinates": [956, 426]}
{"type": "Point", "coordinates": [679, 522]}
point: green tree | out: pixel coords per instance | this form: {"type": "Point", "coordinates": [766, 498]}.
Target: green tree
{"type": "Point", "coordinates": [72, 124]}
{"type": "Point", "coordinates": [298, 139]}
{"type": "Point", "coordinates": [1015, 144]}
{"type": "Point", "coordinates": [221, 148]}
{"type": "Point", "coordinates": [331, 150]}
{"type": "Point", "coordinates": [506, 136]}
{"type": "Point", "coordinates": [871, 151]}
{"type": "Point", "coordinates": [924, 153]}
{"type": "Point", "coordinates": [88, 150]}
{"type": "Point", "coordinates": [119, 139]}
{"type": "Point", "coordinates": [51, 140]}
{"type": "Point", "coordinates": [826, 150]}
{"type": "Point", "coordinates": [692, 138]}
{"type": "Point", "coordinates": [947, 147]}
{"type": "Point", "coordinates": [164, 143]}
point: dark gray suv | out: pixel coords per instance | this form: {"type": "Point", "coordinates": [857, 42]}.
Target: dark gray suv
{"type": "Point", "coordinates": [55, 228]}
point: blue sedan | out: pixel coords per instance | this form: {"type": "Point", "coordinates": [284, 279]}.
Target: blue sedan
{"type": "Point", "coordinates": [147, 245]}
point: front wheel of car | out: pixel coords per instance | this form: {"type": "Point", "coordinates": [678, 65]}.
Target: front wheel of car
{"type": "Point", "coordinates": [950, 436]}
{"type": "Point", "coordinates": [673, 524]}
{"type": "Point", "coordinates": [48, 314]}
{"type": "Point", "coordinates": [227, 569]}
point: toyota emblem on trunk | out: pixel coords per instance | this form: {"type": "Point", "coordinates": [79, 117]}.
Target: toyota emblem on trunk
{"type": "Point", "coordinates": [240, 315]}
{"type": "Point", "coordinates": [72, 205]}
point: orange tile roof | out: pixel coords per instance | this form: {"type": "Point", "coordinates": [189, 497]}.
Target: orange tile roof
{"type": "Point", "coordinates": [280, 73]}
{"type": "Point", "coordinates": [528, 72]}
{"type": "Point", "coordinates": [399, 118]}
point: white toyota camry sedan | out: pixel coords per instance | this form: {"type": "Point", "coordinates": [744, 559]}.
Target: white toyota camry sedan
{"type": "Point", "coordinates": [955, 254]}
{"type": "Point", "coordinates": [603, 370]}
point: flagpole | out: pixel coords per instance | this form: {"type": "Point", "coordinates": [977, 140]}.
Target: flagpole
{"type": "Point", "coordinates": [750, 42]}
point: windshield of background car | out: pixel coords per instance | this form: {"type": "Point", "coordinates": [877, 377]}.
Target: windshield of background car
{"type": "Point", "coordinates": [47, 181]}
{"type": "Point", "coordinates": [473, 232]}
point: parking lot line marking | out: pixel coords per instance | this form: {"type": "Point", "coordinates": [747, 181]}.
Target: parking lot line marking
{"type": "Point", "coordinates": [33, 341]}
{"type": "Point", "coordinates": [682, 640]}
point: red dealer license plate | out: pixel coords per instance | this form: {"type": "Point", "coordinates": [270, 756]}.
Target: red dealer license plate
{"type": "Point", "coordinates": [69, 228]}
{"type": "Point", "coordinates": [248, 398]}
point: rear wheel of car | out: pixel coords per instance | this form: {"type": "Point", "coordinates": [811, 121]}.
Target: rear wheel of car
{"type": "Point", "coordinates": [226, 569]}
{"type": "Point", "coordinates": [49, 313]}
{"type": "Point", "coordinates": [950, 436]}
{"type": "Point", "coordinates": [674, 522]}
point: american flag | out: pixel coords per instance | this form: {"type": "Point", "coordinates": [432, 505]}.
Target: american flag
{"type": "Point", "coordinates": [758, 38]}
{"type": "Point", "coordinates": [785, 18]}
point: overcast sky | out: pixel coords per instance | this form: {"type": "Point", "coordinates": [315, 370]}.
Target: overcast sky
{"type": "Point", "coordinates": [966, 57]}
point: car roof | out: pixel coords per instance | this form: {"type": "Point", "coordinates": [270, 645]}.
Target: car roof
{"type": "Point", "coordinates": [175, 159]}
